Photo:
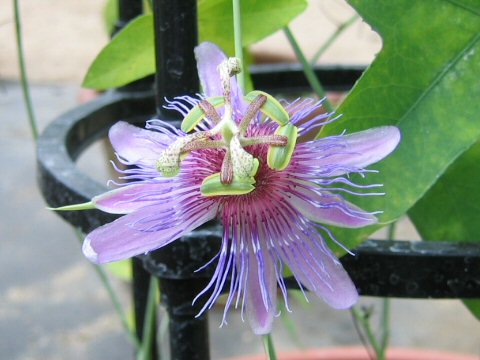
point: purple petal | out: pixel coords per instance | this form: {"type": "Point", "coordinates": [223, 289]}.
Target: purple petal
{"type": "Point", "coordinates": [209, 56]}
{"type": "Point", "coordinates": [358, 149]}
{"type": "Point", "coordinates": [317, 268]}
{"type": "Point", "coordinates": [125, 238]}
{"type": "Point", "coordinates": [261, 292]}
{"type": "Point", "coordinates": [127, 199]}
{"type": "Point", "coordinates": [137, 145]}
{"type": "Point", "coordinates": [330, 209]}
{"type": "Point", "coordinates": [343, 294]}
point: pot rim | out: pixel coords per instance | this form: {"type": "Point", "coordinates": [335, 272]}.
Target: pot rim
{"type": "Point", "coordinates": [359, 353]}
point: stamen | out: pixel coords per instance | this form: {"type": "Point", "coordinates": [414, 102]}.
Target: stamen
{"type": "Point", "coordinates": [210, 111]}
{"type": "Point", "coordinates": [169, 161]}
{"type": "Point", "coordinates": [234, 66]}
{"type": "Point", "coordinates": [272, 140]}
{"type": "Point", "coordinates": [228, 68]}
{"type": "Point", "coordinates": [251, 112]}
{"type": "Point", "coordinates": [203, 144]}
{"type": "Point", "coordinates": [226, 174]}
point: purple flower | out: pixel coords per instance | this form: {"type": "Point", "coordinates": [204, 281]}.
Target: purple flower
{"type": "Point", "coordinates": [248, 165]}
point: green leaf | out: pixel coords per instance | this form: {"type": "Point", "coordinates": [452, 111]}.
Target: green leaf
{"type": "Point", "coordinates": [473, 306]}
{"type": "Point", "coordinates": [425, 81]}
{"type": "Point", "coordinates": [121, 269]}
{"type": "Point", "coordinates": [450, 210]}
{"type": "Point", "coordinates": [259, 19]}
{"type": "Point", "coordinates": [75, 207]}
{"type": "Point", "coordinates": [128, 57]}
{"type": "Point", "coordinates": [110, 15]}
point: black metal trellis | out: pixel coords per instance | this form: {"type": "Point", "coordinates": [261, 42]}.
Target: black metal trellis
{"type": "Point", "coordinates": [380, 268]}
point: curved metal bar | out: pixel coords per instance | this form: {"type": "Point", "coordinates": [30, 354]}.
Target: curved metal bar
{"type": "Point", "coordinates": [65, 138]}
{"type": "Point", "coordinates": [380, 268]}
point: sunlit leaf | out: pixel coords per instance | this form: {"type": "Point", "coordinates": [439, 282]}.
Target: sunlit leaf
{"type": "Point", "coordinates": [110, 15]}
{"type": "Point", "coordinates": [128, 57]}
{"type": "Point", "coordinates": [260, 18]}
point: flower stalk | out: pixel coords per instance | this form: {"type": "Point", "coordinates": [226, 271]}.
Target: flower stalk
{"type": "Point", "coordinates": [102, 275]}
{"type": "Point", "coordinates": [339, 31]}
{"type": "Point", "coordinates": [308, 70]}
{"type": "Point", "coordinates": [269, 347]}
{"type": "Point", "coordinates": [237, 31]}
{"type": "Point", "coordinates": [23, 71]}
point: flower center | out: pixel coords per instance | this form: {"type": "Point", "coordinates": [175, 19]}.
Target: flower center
{"type": "Point", "coordinates": [239, 167]}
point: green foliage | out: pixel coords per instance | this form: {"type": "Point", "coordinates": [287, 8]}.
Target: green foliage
{"type": "Point", "coordinates": [128, 57]}
{"type": "Point", "coordinates": [130, 54]}
{"type": "Point", "coordinates": [425, 82]}
{"type": "Point", "coordinates": [110, 15]}
{"type": "Point", "coordinates": [260, 18]}
{"type": "Point", "coordinates": [474, 306]}
{"type": "Point", "coordinates": [450, 210]}
{"type": "Point", "coordinates": [121, 269]}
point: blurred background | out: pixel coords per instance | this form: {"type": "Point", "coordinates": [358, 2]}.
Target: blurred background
{"type": "Point", "coordinates": [52, 304]}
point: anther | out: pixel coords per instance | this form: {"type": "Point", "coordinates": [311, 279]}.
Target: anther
{"type": "Point", "coordinates": [234, 66]}
{"type": "Point", "coordinates": [226, 173]}
{"type": "Point", "coordinates": [210, 111]}
{"type": "Point", "coordinates": [271, 140]}
{"type": "Point", "coordinates": [251, 112]}
{"type": "Point", "coordinates": [169, 161]}
{"type": "Point", "coordinates": [203, 144]}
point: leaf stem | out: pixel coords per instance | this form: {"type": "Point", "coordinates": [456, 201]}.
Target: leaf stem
{"type": "Point", "coordinates": [23, 71]}
{"type": "Point", "coordinates": [326, 45]}
{"type": "Point", "coordinates": [113, 297]}
{"type": "Point", "coordinates": [290, 325]}
{"type": "Point", "coordinates": [364, 320]}
{"type": "Point", "coordinates": [362, 317]}
{"type": "Point", "coordinates": [307, 69]}
{"type": "Point", "coordinates": [391, 231]}
{"type": "Point", "coordinates": [269, 347]}
{"type": "Point", "coordinates": [237, 31]}
{"type": "Point", "coordinates": [385, 328]}
{"type": "Point", "coordinates": [149, 323]}
{"type": "Point", "coordinates": [385, 317]}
